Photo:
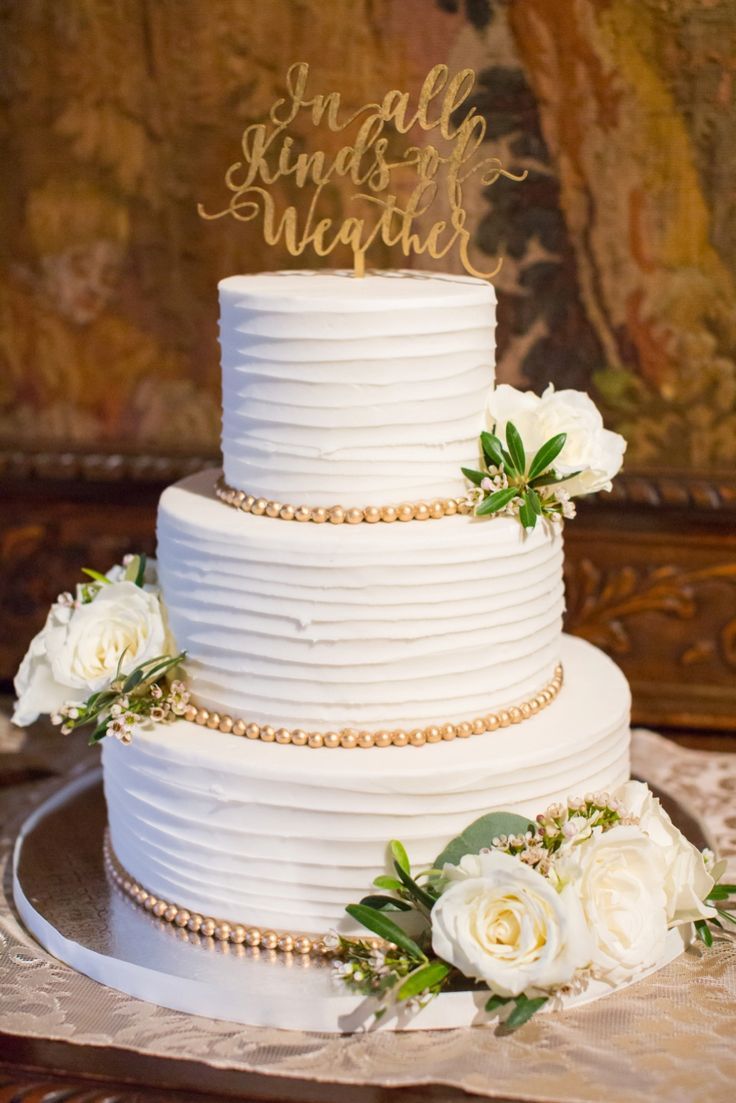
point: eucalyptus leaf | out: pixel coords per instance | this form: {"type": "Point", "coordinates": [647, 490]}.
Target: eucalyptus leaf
{"type": "Point", "coordinates": [386, 903]}
{"type": "Point", "coordinates": [524, 1010]}
{"type": "Point", "coordinates": [475, 477]}
{"type": "Point", "coordinates": [427, 976]}
{"type": "Point", "coordinates": [516, 447]}
{"type": "Point", "coordinates": [496, 501]}
{"type": "Point", "coordinates": [480, 834]}
{"type": "Point", "coordinates": [385, 928]}
{"type": "Point", "coordinates": [546, 455]}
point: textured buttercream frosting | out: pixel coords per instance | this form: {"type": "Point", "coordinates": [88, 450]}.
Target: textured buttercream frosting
{"type": "Point", "coordinates": [284, 837]}
{"type": "Point", "coordinates": [356, 392]}
{"type": "Point", "coordinates": [369, 626]}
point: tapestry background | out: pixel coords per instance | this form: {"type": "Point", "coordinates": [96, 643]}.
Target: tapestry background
{"type": "Point", "coordinates": [119, 115]}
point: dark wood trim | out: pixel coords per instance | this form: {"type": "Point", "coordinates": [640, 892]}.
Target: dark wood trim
{"type": "Point", "coordinates": [654, 488]}
{"type": "Point", "coordinates": [33, 1070]}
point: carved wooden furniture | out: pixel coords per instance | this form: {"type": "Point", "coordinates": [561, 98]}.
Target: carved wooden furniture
{"type": "Point", "coordinates": [651, 568]}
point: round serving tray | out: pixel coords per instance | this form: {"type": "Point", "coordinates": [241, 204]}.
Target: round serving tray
{"type": "Point", "coordinates": [66, 901]}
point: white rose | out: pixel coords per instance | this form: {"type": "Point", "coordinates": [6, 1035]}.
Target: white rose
{"type": "Point", "coordinates": [591, 449]}
{"type": "Point", "coordinates": [501, 922]}
{"type": "Point", "coordinates": [36, 688]}
{"type": "Point", "coordinates": [77, 651]}
{"type": "Point", "coordinates": [522, 408]}
{"type": "Point", "coordinates": [687, 881]}
{"type": "Point", "coordinates": [617, 875]}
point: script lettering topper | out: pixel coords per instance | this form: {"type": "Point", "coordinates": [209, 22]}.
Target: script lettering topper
{"type": "Point", "coordinates": [369, 160]}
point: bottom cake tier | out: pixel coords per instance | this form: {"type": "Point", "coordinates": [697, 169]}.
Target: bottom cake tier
{"type": "Point", "coordinates": [283, 837]}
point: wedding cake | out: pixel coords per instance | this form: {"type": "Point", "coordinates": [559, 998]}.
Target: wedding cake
{"type": "Point", "coordinates": [366, 657]}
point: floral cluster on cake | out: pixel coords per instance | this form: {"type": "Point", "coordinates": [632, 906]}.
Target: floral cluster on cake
{"type": "Point", "coordinates": [104, 657]}
{"type": "Point", "coordinates": [540, 453]}
{"type": "Point", "coordinates": [533, 911]}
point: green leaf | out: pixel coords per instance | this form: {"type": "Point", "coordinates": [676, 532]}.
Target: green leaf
{"type": "Point", "coordinates": [527, 513]}
{"type": "Point", "coordinates": [550, 479]}
{"type": "Point", "coordinates": [719, 892]}
{"type": "Point", "coordinates": [382, 903]}
{"type": "Point", "coordinates": [481, 833]}
{"type": "Point", "coordinates": [536, 504]}
{"type": "Point", "coordinates": [416, 891]}
{"type": "Point", "coordinates": [493, 450]}
{"type": "Point", "coordinates": [721, 888]}
{"type": "Point", "coordinates": [385, 928]}
{"type": "Point", "coordinates": [152, 670]}
{"type": "Point", "coordinates": [427, 976]}
{"type": "Point", "coordinates": [497, 1001]}
{"type": "Point", "coordinates": [516, 447]}
{"type": "Point", "coordinates": [546, 455]}
{"type": "Point", "coordinates": [134, 679]}
{"type": "Point", "coordinates": [99, 733]}
{"type": "Point", "coordinates": [384, 882]}
{"type": "Point", "coordinates": [496, 501]}
{"type": "Point", "coordinates": [399, 855]}
{"type": "Point", "coordinates": [703, 931]}
{"type": "Point", "coordinates": [473, 476]}
{"type": "Point", "coordinates": [96, 575]}
{"type": "Point", "coordinates": [142, 560]}
{"type": "Point", "coordinates": [524, 1010]}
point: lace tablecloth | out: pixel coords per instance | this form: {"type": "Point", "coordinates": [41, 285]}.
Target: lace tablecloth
{"type": "Point", "coordinates": [670, 1037]}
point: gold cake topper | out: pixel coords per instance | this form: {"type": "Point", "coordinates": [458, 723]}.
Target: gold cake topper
{"type": "Point", "coordinates": [270, 154]}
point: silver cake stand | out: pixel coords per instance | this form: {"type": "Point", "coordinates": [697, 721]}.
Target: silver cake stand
{"type": "Point", "coordinates": [66, 901]}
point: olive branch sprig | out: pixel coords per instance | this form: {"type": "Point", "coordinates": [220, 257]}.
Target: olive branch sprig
{"type": "Point", "coordinates": [509, 480]}
{"type": "Point", "coordinates": [128, 700]}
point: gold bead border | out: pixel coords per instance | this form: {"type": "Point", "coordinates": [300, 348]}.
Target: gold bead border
{"type": "Point", "coordinates": [285, 942]}
{"type": "Point", "coordinates": [338, 515]}
{"type": "Point", "coordinates": [350, 737]}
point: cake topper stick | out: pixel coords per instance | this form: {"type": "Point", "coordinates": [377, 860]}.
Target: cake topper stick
{"type": "Point", "coordinates": [369, 161]}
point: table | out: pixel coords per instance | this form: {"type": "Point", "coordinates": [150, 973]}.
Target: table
{"type": "Point", "coordinates": [36, 1068]}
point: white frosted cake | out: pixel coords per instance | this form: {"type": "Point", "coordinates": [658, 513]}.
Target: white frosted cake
{"type": "Point", "coordinates": [355, 678]}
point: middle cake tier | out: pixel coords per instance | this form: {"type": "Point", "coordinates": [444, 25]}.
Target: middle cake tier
{"type": "Point", "coordinates": [372, 627]}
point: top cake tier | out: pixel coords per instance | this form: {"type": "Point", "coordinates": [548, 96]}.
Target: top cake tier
{"type": "Point", "coordinates": [354, 392]}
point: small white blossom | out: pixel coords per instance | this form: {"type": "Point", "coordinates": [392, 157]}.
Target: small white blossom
{"type": "Point", "coordinates": [120, 729]}
{"type": "Point", "coordinates": [343, 969]}
{"type": "Point", "coordinates": [331, 940]}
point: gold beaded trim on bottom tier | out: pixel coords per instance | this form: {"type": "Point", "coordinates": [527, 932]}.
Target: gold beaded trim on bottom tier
{"type": "Point", "coordinates": [351, 737]}
{"type": "Point", "coordinates": [238, 933]}
{"type": "Point", "coordinates": [338, 515]}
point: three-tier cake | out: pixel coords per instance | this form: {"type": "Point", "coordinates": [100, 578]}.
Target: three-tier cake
{"type": "Point", "coordinates": [366, 657]}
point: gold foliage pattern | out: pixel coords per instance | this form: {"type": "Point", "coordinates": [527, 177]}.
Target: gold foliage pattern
{"type": "Point", "coordinates": [117, 116]}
